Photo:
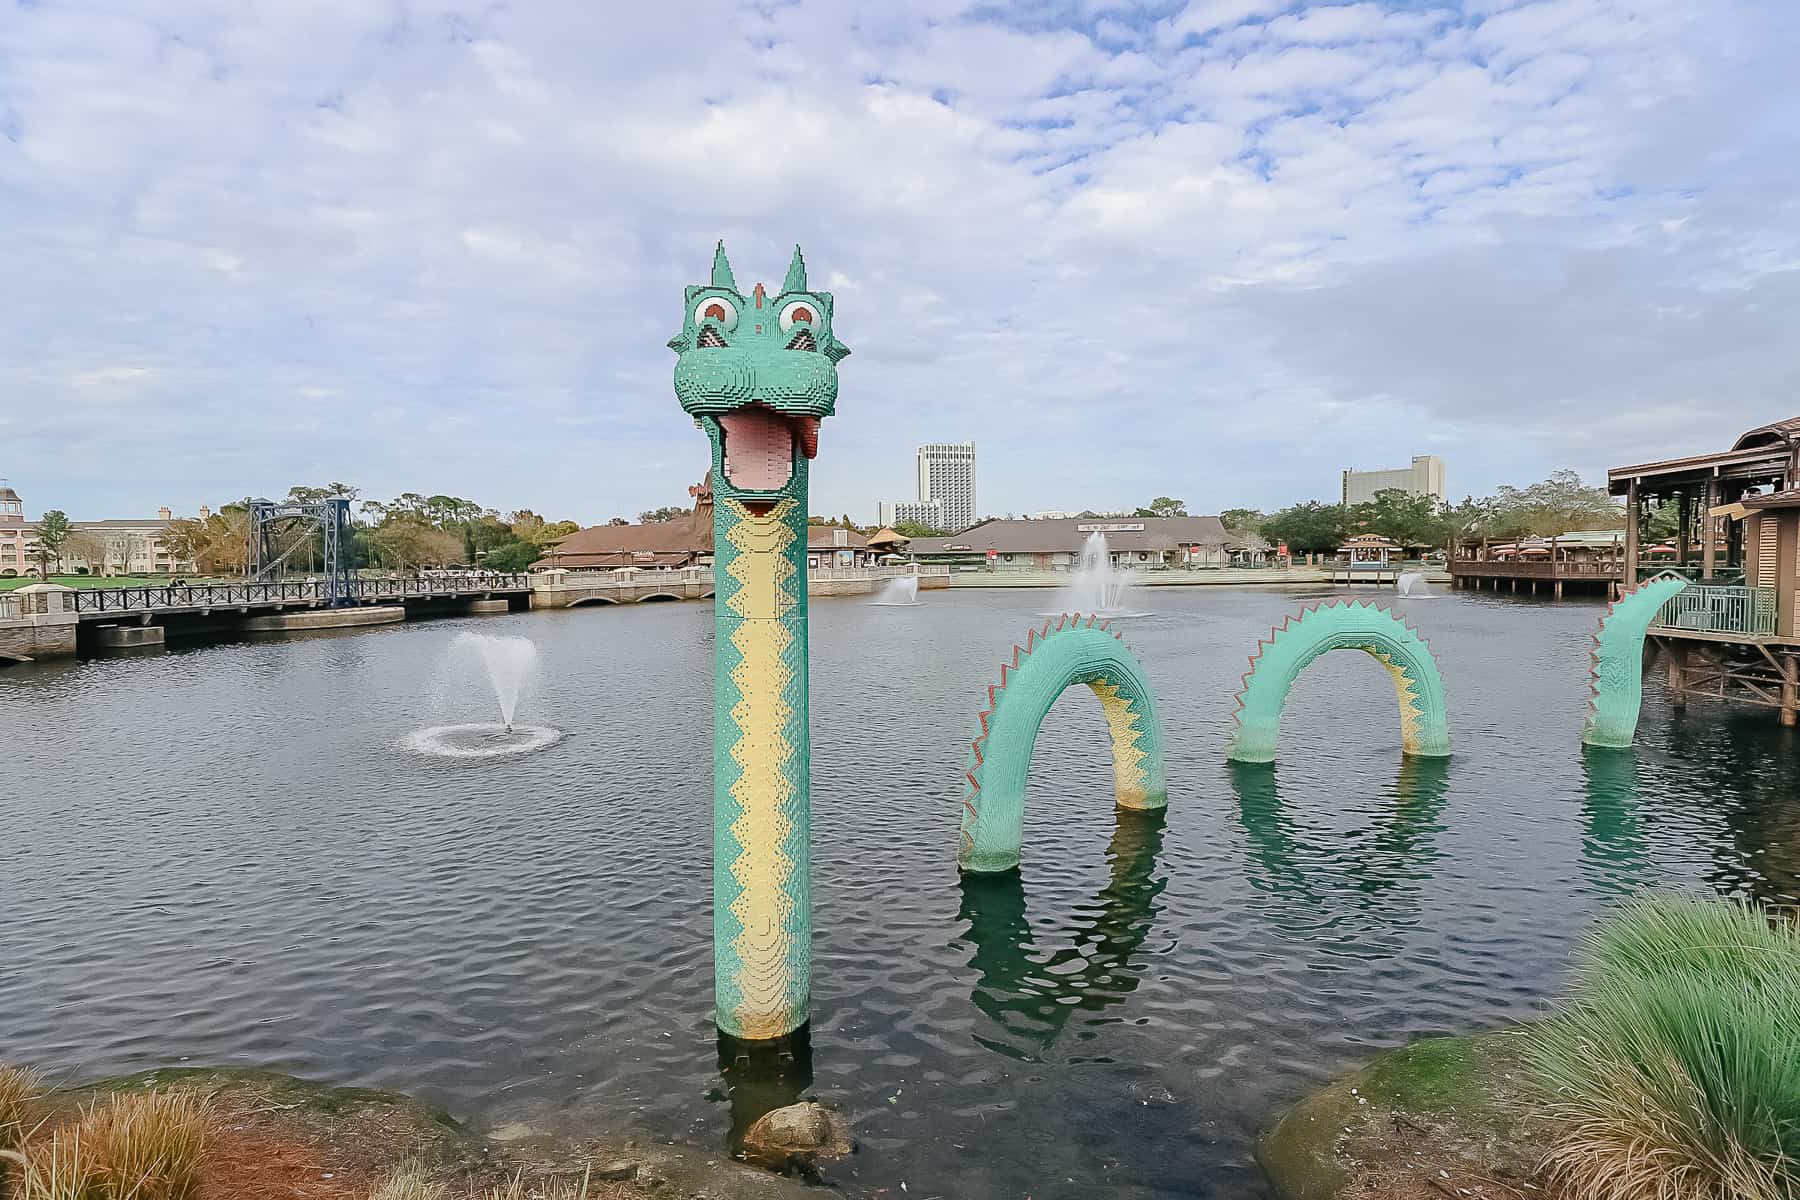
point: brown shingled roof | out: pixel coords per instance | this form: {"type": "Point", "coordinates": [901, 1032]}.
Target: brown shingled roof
{"type": "Point", "coordinates": [1067, 535]}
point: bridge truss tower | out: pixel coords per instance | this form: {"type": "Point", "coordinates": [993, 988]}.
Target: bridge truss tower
{"type": "Point", "coordinates": [279, 530]}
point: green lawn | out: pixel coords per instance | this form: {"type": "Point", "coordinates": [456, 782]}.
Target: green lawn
{"type": "Point", "coordinates": [99, 581]}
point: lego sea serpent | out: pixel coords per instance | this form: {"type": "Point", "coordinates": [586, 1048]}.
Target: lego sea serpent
{"type": "Point", "coordinates": [758, 374]}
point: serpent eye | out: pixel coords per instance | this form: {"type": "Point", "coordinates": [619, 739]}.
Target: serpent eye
{"type": "Point", "coordinates": [719, 309]}
{"type": "Point", "coordinates": [804, 311]}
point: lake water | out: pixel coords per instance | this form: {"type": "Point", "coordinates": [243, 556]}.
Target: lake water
{"type": "Point", "coordinates": [225, 854]}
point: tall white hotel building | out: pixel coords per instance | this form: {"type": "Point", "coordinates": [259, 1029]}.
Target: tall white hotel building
{"type": "Point", "coordinates": [947, 475]}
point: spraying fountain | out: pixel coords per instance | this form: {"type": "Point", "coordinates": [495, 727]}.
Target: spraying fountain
{"type": "Point", "coordinates": [1411, 586]}
{"type": "Point", "coordinates": [1098, 587]}
{"type": "Point", "coordinates": [509, 668]}
{"type": "Point", "coordinates": [902, 591]}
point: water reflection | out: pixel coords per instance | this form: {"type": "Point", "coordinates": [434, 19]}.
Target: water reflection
{"type": "Point", "coordinates": [1614, 842]}
{"type": "Point", "coordinates": [760, 1077]}
{"type": "Point", "coordinates": [1030, 995]}
{"type": "Point", "coordinates": [1395, 850]}
{"type": "Point", "coordinates": [1746, 768]}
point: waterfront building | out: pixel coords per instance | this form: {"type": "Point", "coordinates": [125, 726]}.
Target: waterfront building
{"type": "Point", "coordinates": [835, 546]}
{"type": "Point", "coordinates": [1139, 543]}
{"type": "Point", "coordinates": [685, 542]}
{"type": "Point", "coordinates": [929, 513]}
{"type": "Point", "coordinates": [1583, 559]}
{"type": "Point", "coordinates": [1424, 478]}
{"type": "Point", "coordinates": [1734, 634]}
{"type": "Point", "coordinates": [132, 546]}
{"type": "Point", "coordinates": [18, 541]}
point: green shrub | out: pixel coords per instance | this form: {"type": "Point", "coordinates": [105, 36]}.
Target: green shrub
{"type": "Point", "coordinates": [1674, 1072]}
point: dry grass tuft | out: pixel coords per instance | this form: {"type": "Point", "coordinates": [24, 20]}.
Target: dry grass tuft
{"type": "Point", "coordinates": [1674, 1074]}
{"type": "Point", "coordinates": [147, 1145]}
{"type": "Point", "coordinates": [59, 1168]}
{"type": "Point", "coordinates": [516, 1190]}
{"type": "Point", "coordinates": [21, 1093]}
{"type": "Point", "coordinates": [409, 1181]}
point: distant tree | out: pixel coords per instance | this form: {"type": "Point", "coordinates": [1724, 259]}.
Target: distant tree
{"type": "Point", "coordinates": [1164, 506]}
{"type": "Point", "coordinates": [1662, 522]}
{"type": "Point", "coordinates": [663, 515]}
{"type": "Point", "coordinates": [913, 529]}
{"type": "Point", "coordinates": [1558, 505]}
{"type": "Point", "coordinates": [1307, 528]}
{"type": "Point", "coordinates": [90, 546]}
{"type": "Point", "coordinates": [618, 521]}
{"type": "Point", "coordinates": [1242, 520]}
{"type": "Point", "coordinates": [218, 545]}
{"type": "Point", "coordinates": [1404, 518]}
{"type": "Point", "coordinates": [409, 540]}
{"type": "Point", "coordinates": [514, 556]}
{"type": "Point", "coordinates": [53, 530]}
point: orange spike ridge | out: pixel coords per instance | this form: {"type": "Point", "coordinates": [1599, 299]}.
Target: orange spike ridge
{"type": "Point", "coordinates": [1092, 618]}
{"type": "Point", "coordinates": [1017, 651]}
{"type": "Point", "coordinates": [976, 747]}
{"type": "Point", "coordinates": [1030, 640]}
{"type": "Point", "coordinates": [982, 717]}
{"type": "Point", "coordinates": [973, 782]}
{"type": "Point", "coordinates": [993, 701]}
{"type": "Point", "coordinates": [1003, 670]}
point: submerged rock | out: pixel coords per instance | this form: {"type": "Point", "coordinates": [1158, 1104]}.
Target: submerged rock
{"type": "Point", "coordinates": [798, 1135]}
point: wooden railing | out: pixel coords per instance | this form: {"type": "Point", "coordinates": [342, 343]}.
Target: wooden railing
{"type": "Point", "coordinates": [237, 595]}
{"type": "Point", "coordinates": [1537, 568]}
{"type": "Point", "coordinates": [1744, 610]}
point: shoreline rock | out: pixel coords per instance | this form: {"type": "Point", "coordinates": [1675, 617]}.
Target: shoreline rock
{"type": "Point", "coordinates": [1440, 1117]}
{"type": "Point", "coordinates": [796, 1138]}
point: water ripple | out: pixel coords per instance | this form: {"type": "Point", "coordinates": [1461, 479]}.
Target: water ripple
{"type": "Point", "coordinates": [222, 854]}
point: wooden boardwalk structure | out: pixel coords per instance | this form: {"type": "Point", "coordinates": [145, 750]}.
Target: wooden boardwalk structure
{"type": "Point", "coordinates": [1735, 635]}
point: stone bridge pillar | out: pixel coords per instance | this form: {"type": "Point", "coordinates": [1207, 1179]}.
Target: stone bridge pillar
{"type": "Point", "coordinates": [38, 621]}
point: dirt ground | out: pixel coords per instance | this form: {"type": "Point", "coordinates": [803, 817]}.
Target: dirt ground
{"type": "Point", "coordinates": [1448, 1117]}
{"type": "Point", "coordinates": [280, 1138]}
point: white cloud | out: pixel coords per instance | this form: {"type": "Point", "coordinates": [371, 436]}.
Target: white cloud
{"type": "Point", "coordinates": [1216, 254]}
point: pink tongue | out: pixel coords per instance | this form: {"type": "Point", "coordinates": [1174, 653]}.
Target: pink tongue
{"type": "Point", "coordinates": [759, 449]}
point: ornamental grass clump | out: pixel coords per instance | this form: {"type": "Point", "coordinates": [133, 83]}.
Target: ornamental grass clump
{"type": "Point", "coordinates": [21, 1096]}
{"type": "Point", "coordinates": [147, 1145]}
{"type": "Point", "coordinates": [1674, 1071]}
{"type": "Point", "coordinates": [58, 1168]}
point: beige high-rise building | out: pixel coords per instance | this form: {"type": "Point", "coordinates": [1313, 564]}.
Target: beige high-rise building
{"type": "Point", "coordinates": [947, 475]}
{"type": "Point", "coordinates": [1424, 478]}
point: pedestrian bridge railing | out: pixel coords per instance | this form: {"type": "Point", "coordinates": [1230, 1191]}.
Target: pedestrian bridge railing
{"type": "Point", "coordinates": [283, 592]}
{"type": "Point", "coordinates": [884, 571]}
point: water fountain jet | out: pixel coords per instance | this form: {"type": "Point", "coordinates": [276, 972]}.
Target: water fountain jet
{"type": "Point", "coordinates": [900, 592]}
{"type": "Point", "coordinates": [508, 665]}
{"type": "Point", "coordinates": [1098, 587]}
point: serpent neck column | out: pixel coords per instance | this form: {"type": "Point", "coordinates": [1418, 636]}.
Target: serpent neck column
{"type": "Point", "coordinates": [758, 374]}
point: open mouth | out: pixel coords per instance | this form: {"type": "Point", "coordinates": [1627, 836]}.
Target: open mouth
{"type": "Point", "coordinates": [759, 447]}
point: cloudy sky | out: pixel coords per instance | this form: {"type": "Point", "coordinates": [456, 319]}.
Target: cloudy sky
{"type": "Point", "coordinates": [1218, 249]}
